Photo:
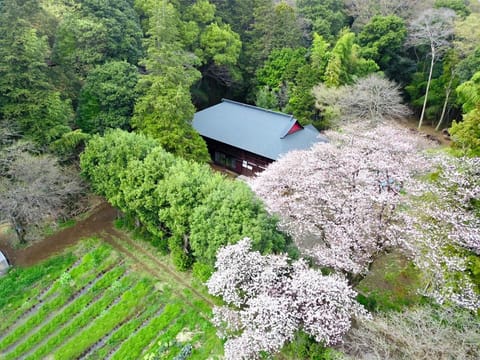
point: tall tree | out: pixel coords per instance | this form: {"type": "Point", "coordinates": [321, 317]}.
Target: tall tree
{"type": "Point", "coordinates": [432, 28]}
{"type": "Point", "coordinates": [382, 40]}
{"type": "Point", "coordinates": [347, 203]}
{"type": "Point", "coordinates": [345, 63]}
{"type": "Point", "coordinates": [164, 109]}
{"type": "Point", "coordinates": [274, 27]}
{"type": "Point", "coordinates": [107, 98]}
{"type": "Point", "coordinates": [28, 102]}
{"type": "Point", "coordinates": [96, 31]}
{"type": "Point", "coordinates": [326, 17]}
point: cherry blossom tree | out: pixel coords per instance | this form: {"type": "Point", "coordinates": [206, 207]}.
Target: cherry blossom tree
{"type": "Point", "coordinates": [440, 230]}
{"type": "Point", "coordinates": [270, 299]}
{"type": "Point", "coordinates": [338, 199]}
{"type": "Point", "coordinates": [370, 190]}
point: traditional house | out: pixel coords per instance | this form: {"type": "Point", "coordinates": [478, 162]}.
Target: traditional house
{"type": "Point", "coordinates": [246, 138]}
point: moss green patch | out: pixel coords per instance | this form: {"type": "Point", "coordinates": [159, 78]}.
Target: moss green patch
{"type": "Point", "coordinates": [392, 284]}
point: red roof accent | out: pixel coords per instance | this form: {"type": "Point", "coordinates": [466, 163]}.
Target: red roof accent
{"type": "Point", "coordinates": [296, 127]}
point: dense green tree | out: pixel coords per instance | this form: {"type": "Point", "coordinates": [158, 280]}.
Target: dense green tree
{"type": "Point", "coordinates": [164, 109]}
{"type": "Point", "coordinates": [466, 134]}
{"type": "Point", "coordinates": [274, 27]}
{"type": "Point", "coordinates": [319, 54]}
{"type": "Point", "coordinates": [220, 44]}
{"type": "Point", "coordinates": [267, 98]}
{"type": "Point", "coordinates": [459, 6]}
{"type": "Point", "coordinates": [107, 98]}
{"type": "Point", "coordinates": [184, 207]}
{"type": "Point", "coordinates": [28, 102]}
{"type": "Point", "coordinates": [70, 145]}
{"type": "Point", "coordinates": [139, 185]}
{"type": "Point", "coordinates": [124, 34]}
{"type": "Point", "coordinates": [469, 93]}
{"type": "Point", "coordinates": [382, 40]}
{"type": "Point", "coordinates": [228, 214]}
{"type": "Point", "coordinates": [345, 63]}
{"type": "Point", "coordinates": [185, 187]}
{"type": "Point", "coordinates": [326, 17]}
{"type": "Point", "coordinates": [301, 101]}
{"type": "Point", "coordinates": [467, 34]}
{"type": "Point", "coordinates": [277, 75]}
{"type": "Point", "coordinates": [105, 160]}
{"type": "Point", "coordinates": [237, 13]}
{"type": "Point", "coordinates": [80, 44]}
{"type": "Point", "coordinates": [281, 66]}
{"type": "Point", "coordinates": [467, 44]}
{"type": "Point", "coordinates": [97, 31]}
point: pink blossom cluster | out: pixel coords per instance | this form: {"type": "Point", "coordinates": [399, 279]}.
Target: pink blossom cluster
{"type": "Point", "coordinates": [368, 190]}
{"type": "Point", "coordinates": [270, 299]}
{"type": "Point", "coordinates": [338, 199]}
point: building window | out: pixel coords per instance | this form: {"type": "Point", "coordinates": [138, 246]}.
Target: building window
{"type": "Point", "coordinates": [225, 160]}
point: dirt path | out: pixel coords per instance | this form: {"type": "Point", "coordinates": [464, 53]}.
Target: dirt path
{"type": "Point", "coordinates": [100, 220]}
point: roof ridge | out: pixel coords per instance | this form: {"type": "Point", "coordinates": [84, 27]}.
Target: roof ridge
{"type": "Point", "coordinates": [257, 108]}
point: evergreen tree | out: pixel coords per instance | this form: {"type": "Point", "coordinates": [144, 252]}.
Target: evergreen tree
{"type": "Point", "coordinates": [164, 110]}
{"type": "Point", "coordinates": [28, 102]}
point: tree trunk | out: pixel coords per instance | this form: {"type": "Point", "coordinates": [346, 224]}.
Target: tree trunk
{"type": "Point", "coordinates": [428, 88]}
{"type": "Point", "coordinates": [20, 231]}
{"type": "Point", "coordinates": [444, 109]}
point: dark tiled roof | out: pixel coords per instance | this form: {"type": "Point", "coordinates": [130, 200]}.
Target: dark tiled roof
{"type": "Point", "coordinates": [260, 131]}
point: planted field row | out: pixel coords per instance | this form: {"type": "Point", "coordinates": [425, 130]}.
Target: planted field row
{"type": "Point", "coordinates": [25, 289]}
{"type": "Point", "coordinates": [69, 312]}
{"type": "Point", "coordinates": [66, 288]}
{"type": "Point", "coordinates": [96, 306]}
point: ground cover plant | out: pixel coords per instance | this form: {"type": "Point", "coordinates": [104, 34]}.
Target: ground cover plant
{"type": "Point", "coordinates": [93, 302]}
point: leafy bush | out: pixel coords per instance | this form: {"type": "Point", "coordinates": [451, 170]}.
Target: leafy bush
{"type": "Point", "coordinates": [178, 204]}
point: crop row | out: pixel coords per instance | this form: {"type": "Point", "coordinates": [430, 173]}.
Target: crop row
{"type": "Point", "coordinates": [202, 332]}
{"type": "Point", "coordinates": [153, 307]}
{"type": "Point", "coordinates": [83, 319]}
{"type": "Point", "coordinates": [77, 279]}
{"type": "Point", "coordinates": [134, 346]}
{"type": "Point", "coordinates": [128, 305]}
{"type": "Point", "coordinates": [23, 288]}
{"type": "Point", "coordinates": [73, 308]}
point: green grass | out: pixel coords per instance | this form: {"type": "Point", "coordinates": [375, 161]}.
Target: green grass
{"type": "Point", "coordinates": [128, 305]}
{"type": "Point", "coordinates": [104, 300]}
{"type": "Point", "coordinates": [133, 347]}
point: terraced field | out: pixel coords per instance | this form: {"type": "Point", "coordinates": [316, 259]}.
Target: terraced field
{"type": "Point", "coordinates": [109, 299]}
